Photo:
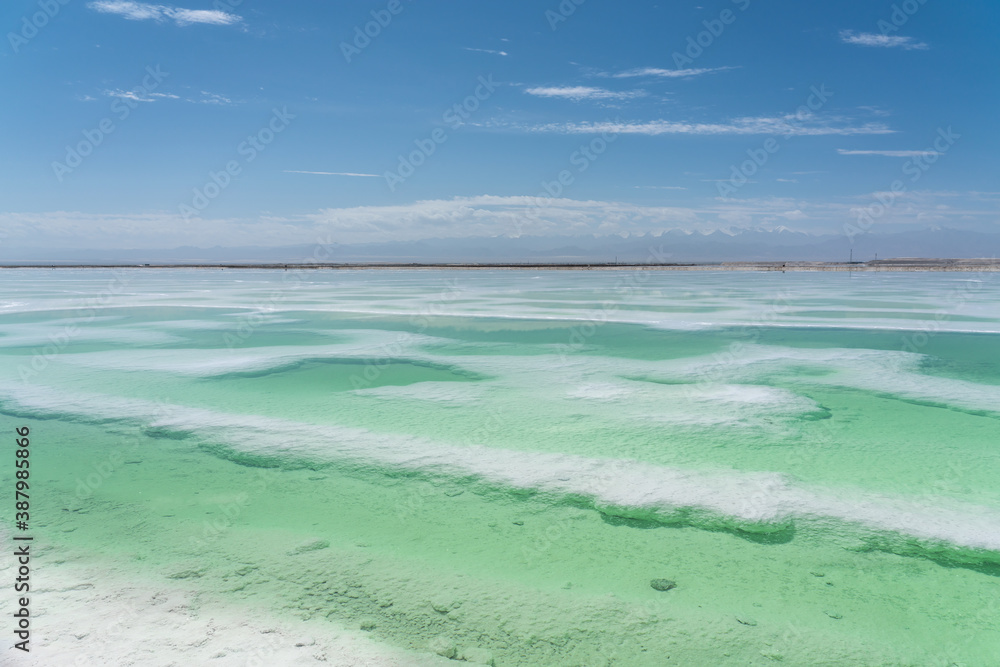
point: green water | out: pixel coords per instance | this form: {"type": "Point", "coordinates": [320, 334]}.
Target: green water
{"type": "Point", "coordinates": [478, 461]}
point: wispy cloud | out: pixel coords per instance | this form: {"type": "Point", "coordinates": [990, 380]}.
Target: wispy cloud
{"type": "Point", "coordinates": [496, 53]}
{"type": "Point", "coordinates": [875, 111]}
{"type": "Point", "coordinates": [666, 73]}
{"type": "Point", "coordinates": [482, 216]}
{"type": "Point", "coordinates": [140, 95]}
{"type": "Point", "coordinates": [212, 98]}
{"type": "Point", "coordinates": [888, 153]}
{"type": "Point", "coordinates": [875, 39]}
{"type": "Point", "coordinates": [788, 125]}
{"type": "Point", "coordinates": [141, 11]}
{"type": "Point", "coordinates": [330, 173]}
{"type": "Point", "coordinates": [578, 93]}
{"type": "Point", "coordinates": [488, 215]}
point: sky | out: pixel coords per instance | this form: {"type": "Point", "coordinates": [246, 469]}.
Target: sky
{"type": "Point", "coordinates": [252, 122]}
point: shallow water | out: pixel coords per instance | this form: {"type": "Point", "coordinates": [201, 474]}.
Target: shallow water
{"type": "Point", "coordinates": [496, 465]}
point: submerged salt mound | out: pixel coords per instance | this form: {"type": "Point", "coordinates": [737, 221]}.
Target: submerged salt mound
{"type": "Point", "coordinates": [434, 392]}
{"type": "Point", "coordinates": [769, 506]}
{"type": "Point", "coordinates": [93, 614]}
{"type": "Point", "coordinates": [672, 300]}
{"type": "Point", "coordinates": [364, 346]}
{"type": "Point", "coordinates": [52, 334]}
{"type": "Point", "coordinates": [894, 374]}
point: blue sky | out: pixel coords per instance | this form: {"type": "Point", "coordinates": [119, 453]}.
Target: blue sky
{"type": "Point", "coordinates": [269, 123]}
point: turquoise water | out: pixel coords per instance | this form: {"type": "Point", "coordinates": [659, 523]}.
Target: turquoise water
{"type": "Point", "coordinates": [497, 465]}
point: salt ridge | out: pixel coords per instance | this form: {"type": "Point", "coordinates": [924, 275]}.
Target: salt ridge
{"type": "Point", "coordinates": [756, 502]}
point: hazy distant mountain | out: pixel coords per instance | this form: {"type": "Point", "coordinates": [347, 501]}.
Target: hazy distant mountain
{"type": "Point", "coordinates": [668, 246]}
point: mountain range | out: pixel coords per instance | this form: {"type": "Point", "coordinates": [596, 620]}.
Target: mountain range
{"type": "Point", "coordinates": [670, 246]}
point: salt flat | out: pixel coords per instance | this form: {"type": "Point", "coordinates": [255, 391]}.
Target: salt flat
{"type": "Point", "coordinates": [393, 467]}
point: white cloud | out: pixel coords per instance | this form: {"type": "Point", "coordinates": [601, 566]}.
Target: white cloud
{"type": "Point", "coordinates": [459, 217]}
{"type": "Point", "coordinates": [481, 216]}
{"type": "Point", "coordinates": [489, 215]}
{"type": "Point", "coordinates": [139, 95]}
{"type": "Point", "coordinates": [212, 98]}
{"type": "Point", "coordinates": [875, 39]}
{"type": "Point", "coordinates": [667, 73]}
{"type": "Point", "coordinates": [134, 11]}
{"type": "Point", "coordinates": [841, 151]}
{"type": "Point", "coordinates": [788, 125]}
{"type": "Point", "coordinates": [578, 93]}
{"type": "Point", "coordinates": [188, 16]}
{"type": "Point", "coordinates": [496, 53]}
{"type": "Point", "coordinates": [141, 11]}
{"type": "Point", "coordinates": [875, 111]}
{"type": "Point", "coordinates": [330, 173]}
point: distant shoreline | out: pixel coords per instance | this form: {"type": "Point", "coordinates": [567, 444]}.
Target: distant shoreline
{"type": "Point", "coordinates": [900, 265]}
